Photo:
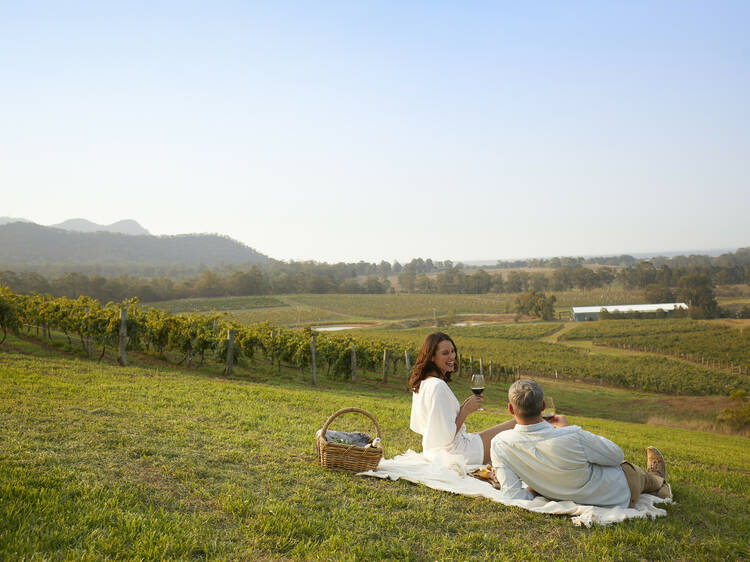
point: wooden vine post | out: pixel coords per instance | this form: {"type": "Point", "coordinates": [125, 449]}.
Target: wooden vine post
{"type": "Point", "coordinates": [354, 364]}
{"type": "Point", "coordinates": [230, 353]}
{"type": "Point", "coordinates": [385, 365]}
{"type": "Point", "coordinates": [121, 353]}
{"type": "Point", "coordinates": [408, 364]}
{"type": "Point", "coordinates": [88, 331]}
{"type": "Point", "coordinates": [313, 361]}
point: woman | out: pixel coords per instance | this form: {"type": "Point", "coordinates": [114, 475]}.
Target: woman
{"type": "Point", "coordinates": [435, 412]}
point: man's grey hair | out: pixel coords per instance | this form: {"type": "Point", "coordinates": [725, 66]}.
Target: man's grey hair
{"type": "Point", "coordinates": [527, 398]}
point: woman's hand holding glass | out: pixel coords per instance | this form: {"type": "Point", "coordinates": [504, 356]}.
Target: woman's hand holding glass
{"type": "Point", "coordinates": [477, 387]}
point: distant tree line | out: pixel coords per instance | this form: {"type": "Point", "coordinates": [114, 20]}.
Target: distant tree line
{"type": "Point", "coordinates": [693, 283]}
{"type": "Point", "coordinates": [567, 261]}
{"type": "Point", "coordinates": [254, 281]}
{"type": "Point", "coordinates": [456, 280]}
{"type": "Point", "coordinates": [275, 277]}
{"type": "Point", "coordinates": [740, 257]}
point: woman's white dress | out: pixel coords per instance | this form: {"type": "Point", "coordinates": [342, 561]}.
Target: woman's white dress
{"type": "Point", "coordinates": [433, 415]}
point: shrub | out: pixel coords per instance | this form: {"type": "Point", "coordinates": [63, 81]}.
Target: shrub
{"type": "Point", "coordinates": [738, 414]}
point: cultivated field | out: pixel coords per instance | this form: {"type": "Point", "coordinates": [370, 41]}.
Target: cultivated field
{"type": "Point", "coordinates": [155, 461]}
{"type": "Point", "coordinates": [304, 309]}
{"type": "Point", "coordinates": [292, 310]}
{"type": "Point", "coordinates": [681, 356]}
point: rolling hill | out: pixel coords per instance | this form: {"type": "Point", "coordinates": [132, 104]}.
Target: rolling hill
{"type": "Point", "coordinates": [25, 244]}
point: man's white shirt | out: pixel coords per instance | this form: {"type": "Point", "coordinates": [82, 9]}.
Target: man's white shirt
{"type": "Point", "coordinates": [566, 463]}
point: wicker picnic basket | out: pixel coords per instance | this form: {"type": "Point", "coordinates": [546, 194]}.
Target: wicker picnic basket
{"type": "Point", "coordinates": [349, 458]}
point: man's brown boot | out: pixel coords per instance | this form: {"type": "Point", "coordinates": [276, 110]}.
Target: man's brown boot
{"type": "Point", "coordinates": [665, 492]}
{"type": "Point", "coordinates": [655, 462]}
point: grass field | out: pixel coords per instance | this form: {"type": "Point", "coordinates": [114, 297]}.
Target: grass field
{"type": "Point", "coordinates": [306, 309]}
{"type": "Point", "coordinates": [220, 304]}
{"type": "Point", "coordinates": [153, 461]}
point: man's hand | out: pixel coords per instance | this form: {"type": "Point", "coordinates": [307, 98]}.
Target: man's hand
{"type": "Point", "coordinates": [559, 420]}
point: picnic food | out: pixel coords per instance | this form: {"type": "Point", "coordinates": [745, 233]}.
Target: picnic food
{"type": "Point", "coordinates": [483, 472]}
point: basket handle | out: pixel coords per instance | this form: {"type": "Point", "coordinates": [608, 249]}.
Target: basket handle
{"type": "Point", "coordinates": [345, 411]}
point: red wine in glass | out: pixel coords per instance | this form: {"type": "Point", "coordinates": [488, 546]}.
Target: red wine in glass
{"type": "Point", "coordinates": [477, 386]}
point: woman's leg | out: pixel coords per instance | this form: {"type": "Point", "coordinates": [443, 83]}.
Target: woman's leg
{"type": "Point", "coordinates": [488, 434]}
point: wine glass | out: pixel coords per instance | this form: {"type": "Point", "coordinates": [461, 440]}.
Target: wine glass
{"type": "Point", "coordinates": [477, 386]}
{"type": "Point", "coordinates": [549, 411]}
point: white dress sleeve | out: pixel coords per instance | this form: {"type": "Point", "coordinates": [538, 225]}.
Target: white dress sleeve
{"type": "Point", "coordinates": [434, 414]}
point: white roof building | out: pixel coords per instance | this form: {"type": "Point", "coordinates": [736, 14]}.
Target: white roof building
{"type": "Point", "coordinates": [592, 312]}
{"type": "Point", "coordinates": [631, 307]}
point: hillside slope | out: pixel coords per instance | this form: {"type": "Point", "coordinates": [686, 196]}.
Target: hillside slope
{"type": "Point", "coordinates": [28, 244]}
{"type": "Point", "coordinates": [151, 462]}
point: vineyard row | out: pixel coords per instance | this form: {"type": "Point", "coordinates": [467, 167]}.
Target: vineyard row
{"type": "Point", "coordinates": [127, 325]}
{"type": "Point", "coordinates": [677, 354]}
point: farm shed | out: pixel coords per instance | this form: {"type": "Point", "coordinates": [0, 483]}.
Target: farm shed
{"type": "Point", "coordinates": [583, 313]}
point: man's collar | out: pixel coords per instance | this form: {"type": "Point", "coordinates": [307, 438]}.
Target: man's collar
{"type": "Point", "coordinates": [532, 427]}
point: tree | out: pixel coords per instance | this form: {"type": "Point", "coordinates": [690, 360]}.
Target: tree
{"type": "Point", "coordinates": [561, 280]}
{"type": "Point", "coordinates": [655, 294]}
{"type": "Point", "coordinates": [606, 275]}
{"type": "Point", "coordinates": [539, 281]}
{"type": "Point", "coordinates": [498, 284]}
{"type": "Point", "coordinates": [209, 285]}
{"type": "Point", "coordinates": [479, 283]}
{"type": "Point", "coordinates": [451, 281]}
{"type": "Point", "coordinates": [534, 303]}
{"type": "Point", "coordinates": [585, 278]}
{"type": "Point", "coordinates": [243, 283]}
{"type": "Point", "coordinates": [407, 278]}
{"type": "Point", "coordinates": [517, 281]}
{"type": "Point", "coordinates": [698, 292]}
{"type": "Point", "coordinates": [349, 286]}
{"type": "Point", "coordinates": [424, 284]}
{"type": "Point", "coordinates": [384, 268]}
{"type": "Point", "coordinates": [8, 312]}
{"type": "Point", "coordinates": [373, 285]}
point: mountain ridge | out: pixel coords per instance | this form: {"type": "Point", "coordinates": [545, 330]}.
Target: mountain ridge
{"type": "Point", "coordinates": [30, 244]}
{"type": "Point", "coordinates": [125, 226]}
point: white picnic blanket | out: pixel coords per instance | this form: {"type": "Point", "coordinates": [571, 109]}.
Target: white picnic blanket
{"type": "Point", "coordinates": [447, 474]}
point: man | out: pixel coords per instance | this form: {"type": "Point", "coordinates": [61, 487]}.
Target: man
{"type": "Point", "coordinates": [563, 462]}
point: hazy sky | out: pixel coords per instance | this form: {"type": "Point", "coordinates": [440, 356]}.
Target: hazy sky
{"type": "Point", "coordinates": [384, 130]}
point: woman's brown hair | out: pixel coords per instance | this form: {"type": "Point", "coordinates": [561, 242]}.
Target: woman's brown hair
{"type": "Point", "coordinates": [424, 367]}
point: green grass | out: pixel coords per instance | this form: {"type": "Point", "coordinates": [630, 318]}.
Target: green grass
{"type": "Point", "coordinates": [308, 308]}
{"type": "Point", "coordinates": [218, 304]}
{"type": "Point", "coordinates": [150, 462]}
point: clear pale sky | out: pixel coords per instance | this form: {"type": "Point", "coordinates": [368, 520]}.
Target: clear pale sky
{"type": "Point", "coordinates": [384, 130]}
